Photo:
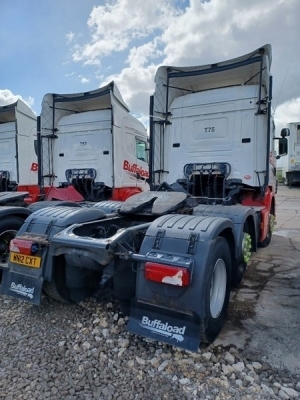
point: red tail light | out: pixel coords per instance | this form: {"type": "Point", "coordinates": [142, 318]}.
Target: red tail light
{"type": "Point", "coordinates": [21, 246]}
{"type": "Point", "coordinates": [168, 274]}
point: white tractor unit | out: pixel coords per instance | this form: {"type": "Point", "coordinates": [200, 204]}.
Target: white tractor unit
{"type": "Point", "coordinates": [171, 255]}
{"type": "Point", "coordinates": [291, 163]}
{"type": "Point", "coordinates": [18, 161]}
{"type": "Point", "coordinates": [89, 141]}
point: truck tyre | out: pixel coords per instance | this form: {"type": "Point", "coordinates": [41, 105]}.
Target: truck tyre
{"type": "Point", "coordinates": [8, 229]}
{"type": "Point", "coordinates": [216, 291]}
{"type": "Point", "coordinates": [50, 290]}
{"type": "Point", "coordinates": [124, 284]}
{"type": "Point", "coordinates": [239, 271]}
{"type": "Point", "coordinates": [71, 284]}
{"type": "Point", "coordinates": [268, 238]}
{"type": "Point", "coordinates": [56, 289]}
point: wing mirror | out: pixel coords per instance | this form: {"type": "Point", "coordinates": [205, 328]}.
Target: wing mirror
{"type": "Point", "coordinates": [282, 147]}
{"type": "Point", "coordinates": [285, 132]}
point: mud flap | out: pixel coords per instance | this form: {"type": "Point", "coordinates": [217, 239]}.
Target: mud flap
{"type": "Point", "coordinates": [172, 327]}
{"type": "Point", "coordinates": [25, 287]}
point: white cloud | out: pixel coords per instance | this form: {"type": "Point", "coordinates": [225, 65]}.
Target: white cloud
{"type": "Point", "coordinates": [115, 25]}
{"type": "Point", "coordinates": [70, 37]}
{"type": "Point", "coordinates": [286, 113]}
{"type": "Point", "coordinates": [84, 80]}
{"type": "Point", "coordinates": [92, 62]}
{"type": "Point", "coordinates": [7, 97]}
{"type": "Point", "coordinates": [201, 33]}
{"type": "Point", "coordinates": [29, 101]}
{"type": "Point", "coordinates": [139, 56]}
{"type": "Point", "coordinates": [136, 85]}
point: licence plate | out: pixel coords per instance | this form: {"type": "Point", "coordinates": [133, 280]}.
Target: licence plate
{"type": "Point", "coordinates": [29, 261]}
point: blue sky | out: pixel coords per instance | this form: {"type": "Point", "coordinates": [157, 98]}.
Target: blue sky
{"type": "Point", "coordinates": [70, 46]}
{"type": "Point", "coordinates": [35, 56]}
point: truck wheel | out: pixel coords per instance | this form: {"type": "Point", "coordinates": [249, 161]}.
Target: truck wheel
{"type": "Point", "coordinates": [268, 238]}
{"type": "Point", "coordinates": [8, 230]}
{"type": "Point", "coordinates": [124, 284]}
{"type": "Point", "coordinates": [216, 291]}
{"type": "Point", "coordinates": [56, 289]}
{"type": "Point", "coordinates": [239, 271]}
{"type": "Point", "coordinates": [71, 284]}
{"type": "Point", "coordinates": [50, 290]}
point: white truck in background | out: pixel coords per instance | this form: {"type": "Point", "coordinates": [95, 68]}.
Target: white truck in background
{"type": "Point", "coordinates": [84, 148]}
{"type": "Point", "coordinates": [18, 161]}
{"type": "Point", "coordinates": [291, 163]}
{"type": "Point", "coordinates": [89, 141]}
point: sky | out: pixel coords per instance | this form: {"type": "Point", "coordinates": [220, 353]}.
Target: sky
{"type": "Point", "coordinates": [73, 46]}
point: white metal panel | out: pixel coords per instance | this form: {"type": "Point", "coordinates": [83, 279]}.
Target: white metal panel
{"type": "Point", "coordinates": [210, 127]}
{"type": "Point", "coordinates": [292, 160]}
{"type": "Point", "coordinates": [27, 159]}
{"type": "Point", "coordinates": [294, 146]}
{"type": "Point", "coordinates": [8, 149]}
{"type": "Point", "coordinates": [83, 139]}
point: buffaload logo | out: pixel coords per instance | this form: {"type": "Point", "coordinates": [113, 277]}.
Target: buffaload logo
{"type": "Point", "coordinates": [157, 326]}
{"type": "Point", "coordinates": [135, 169]}
{"type": "Point", "coordinates": [22, 290]}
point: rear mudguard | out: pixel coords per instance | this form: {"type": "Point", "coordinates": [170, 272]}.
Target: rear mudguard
{"type": "Point", "coordinates": [8, 211]}
{"type": "Point", "coordinates": [26, 282]}
{"type": "Point", "coordinates": [177, 240]}
{"type": "Point", "coordinates": [238, 214]}
{"type": "Point", "coordinates": [108, 206]}
{"type": "Point", "coordinates": [11, 197]}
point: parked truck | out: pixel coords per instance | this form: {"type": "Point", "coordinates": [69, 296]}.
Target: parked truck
{"type": "Point", "coordinates": [171, 255]}
{"type": "Point", "coordinates": [84, 148]}
{"type": "Point", "coordinates": [291, 163]}
{"type": "Point", "coordinates": [89, 141]}
{"type": "Point", "coordinates": [18, 160]}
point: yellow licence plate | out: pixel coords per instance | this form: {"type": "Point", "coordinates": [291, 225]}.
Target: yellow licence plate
{"type": "Point", "coordinates": [29, 261]}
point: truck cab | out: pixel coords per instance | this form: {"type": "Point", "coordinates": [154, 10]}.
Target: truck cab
{"type": "Point", "coordinates": [18, 160]}
{"type": "Point", "coordinates": [214, 128]}
{"type": "Point", "coordinates": [91, 141]}
{"type": "Point", "coordinates": [291, 163]}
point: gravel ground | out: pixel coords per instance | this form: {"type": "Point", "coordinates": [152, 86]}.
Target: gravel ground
{"type": "Point", "coordinates": [83, 351]}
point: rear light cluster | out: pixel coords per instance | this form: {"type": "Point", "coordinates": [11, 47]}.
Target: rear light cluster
{"type": "Point", "coordinates": [163, 273]}
{"type": "Point", "coordinates": [26, 247]}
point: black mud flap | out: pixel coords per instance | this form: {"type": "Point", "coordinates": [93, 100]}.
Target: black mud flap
{"type": "Point", "coordinates": [25, 287]}
{"type": "Point", "coordinates": [164, 325]}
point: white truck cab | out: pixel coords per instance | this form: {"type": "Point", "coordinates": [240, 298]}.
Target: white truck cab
{"type": "Point", "coordinates": [18, 161]}
{"type": "Point", "coordinates": [291, 163]}
{"type": "Point", "coordinates": [212, 129]}
{"type": "Point", "coordinates": [91, 141]}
